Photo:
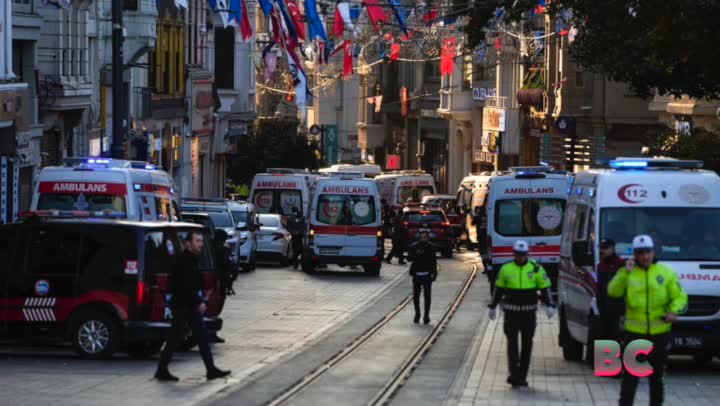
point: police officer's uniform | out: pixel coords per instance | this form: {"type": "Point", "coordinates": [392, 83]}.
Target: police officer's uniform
{"type": "Point", "coordinates": [649, 295]}
{"type": "Point", "coordinates": [516, 290]}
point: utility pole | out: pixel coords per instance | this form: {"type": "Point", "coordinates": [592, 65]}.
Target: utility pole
{"type": "Point", "coordinates": [118, 89]}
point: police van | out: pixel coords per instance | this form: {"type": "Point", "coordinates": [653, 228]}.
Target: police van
{"type": "Point", "coordinates": [528, 204]}
{"type": "Point", "coordinates": [280, 189]}
{"type": "Point", "coordinates": [399, 186]}
{"type": "Point", "coordinates": [133, 190]}
{"type": "Point", "coordinates": [345, 224]}
{"type": "Point", "coordinates": [675, 202]}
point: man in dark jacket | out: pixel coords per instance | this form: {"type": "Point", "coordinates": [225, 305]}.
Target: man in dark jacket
{"type": "Point", "coordinates": [399, 241]}
{"type": "Point", "coordinates": [423, 255]}
{"type": "Point", "coordinates": [388, 215]}
{"type": "Point", "coordinates": [188, 307]}
{"type": "Point", "coordinates": [296, 226]}
{"type": "Point", "coordinates": [610, 309]}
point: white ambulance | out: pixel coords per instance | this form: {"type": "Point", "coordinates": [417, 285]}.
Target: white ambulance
{"type": "Point", "coordinates": [399, 186]}
{"type": "Point", "coordinates": [527, 204]}
{"type": "Point", "coordinates": [129, 189]}
{"type": "Point", "coordinates": [345, 224]}
{"type": "Point", "coordinates": [472, 193]}
{"type": "Point", "coordinates": [281, 189]}
{"type": "Point", "coordinates": [675, 202]}
{"type": "Point", "coordinates": [369, 170]}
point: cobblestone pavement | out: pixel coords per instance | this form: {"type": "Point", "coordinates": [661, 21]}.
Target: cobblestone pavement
{"type": "Point", "coordinates": [277, 311]}
{"type": "Point", "coordinates": [554, 381]}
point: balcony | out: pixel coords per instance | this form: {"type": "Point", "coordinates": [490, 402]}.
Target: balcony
{"type": "Point", "coordinates": [684, 105]}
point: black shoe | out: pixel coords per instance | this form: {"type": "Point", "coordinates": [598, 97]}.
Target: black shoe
{"type": "Point", "coordinates": [416, 319]}
{"type": "Point", "coordinates": [522, 383]}
{"type": "Point", "coordinates": [163, 375]}
{"type": "Point", "coordinates": [216, 340]}
{"type": "Point", "coordinates": [217, 373]}
{"type": "Point", "coordinates": [426, 320]}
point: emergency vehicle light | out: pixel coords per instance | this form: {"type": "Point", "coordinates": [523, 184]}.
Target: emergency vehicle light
{"type": "Point", "coordinates": [640, 163]}
{"type": "Point", "coordinates": [628, 164]}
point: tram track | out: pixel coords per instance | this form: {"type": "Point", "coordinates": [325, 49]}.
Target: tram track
{"type": "Point", "coordinates": [405, 370]}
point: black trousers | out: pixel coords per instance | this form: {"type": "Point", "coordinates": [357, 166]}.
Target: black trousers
{"type": "Point", "coordinates": [184, 316]}
{"type": "Point", "coordinates": [519, 323]}
{"type": "Point", "coordinates": [297, 246]}
{"type": "Point", "coordinates": [658, 359]}
{"type": "Point", "coordinates": [424, 284]}
{"type": "Point", "coordinates": [398, 250]}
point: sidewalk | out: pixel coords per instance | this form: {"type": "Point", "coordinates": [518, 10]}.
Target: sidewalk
{"type": "Point", "coordinates": [554, 381]}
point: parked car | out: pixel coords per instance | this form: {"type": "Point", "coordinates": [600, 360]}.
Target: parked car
{"type": "Point", "coordinates": [100, 285]}
{"type": "Point", "coordinates": [274, 239]}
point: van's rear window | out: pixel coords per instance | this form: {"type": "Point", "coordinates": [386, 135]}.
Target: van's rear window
{"type": "Point", "coordinates": [82, 202]}
{"type": "Point", "coordinates": [346, 210]}
{"type": "Point", "coordinates": [529, 217]}
{"type": "Point", "coordinates": [277, 201]}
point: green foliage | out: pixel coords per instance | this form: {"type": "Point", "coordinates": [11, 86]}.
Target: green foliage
{"type": "Point", "coordinates": [274, 143]}
{"type": "Point", "coordinates": [667, 45]}
{"type": "Point", "coordinates": [534, 80]}
{"type": "Point", "coordinates": [700, 144]}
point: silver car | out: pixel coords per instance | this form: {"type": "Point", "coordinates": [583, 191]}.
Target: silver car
{"type": "Point", "coordinates": [273, 239]}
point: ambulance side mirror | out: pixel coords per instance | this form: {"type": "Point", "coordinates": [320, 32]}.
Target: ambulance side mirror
{"type": "Point", "coordinates": [581, 254]}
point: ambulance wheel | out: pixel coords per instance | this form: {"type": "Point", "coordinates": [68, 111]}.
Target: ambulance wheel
{"type": "Point", "coordinates": [373, 270]}
{"type": "Point", "coordinates": [448, 253]}
{"type": "Point", "coordinates": [95, 334]}
{"type": "Point", "coordinates": [143, 349]}
{"type": "Point", "coordinates": [571, 348]}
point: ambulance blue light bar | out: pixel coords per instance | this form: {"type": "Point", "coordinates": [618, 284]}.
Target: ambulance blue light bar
{"type": "Point", "coordinates": [652, 163]}
{"type": "Point", "coordinates": [628, 164]}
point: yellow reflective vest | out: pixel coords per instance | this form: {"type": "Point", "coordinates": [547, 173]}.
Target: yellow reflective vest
{"type": "Point", "coordinates": [649, 295]}
{"type": "Point", "coordinates": [530, 276]}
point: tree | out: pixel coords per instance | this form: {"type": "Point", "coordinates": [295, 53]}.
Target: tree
{"type": "Point", "coordinates": [699, 144]}
{"type": "Point", "coordinates": [666, 45]}
{"type": "Point", "coordinates": [274, 143]}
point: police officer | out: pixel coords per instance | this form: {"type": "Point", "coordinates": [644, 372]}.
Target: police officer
{"type": "Point", "coordinates": [296, 226]}
{"type": "Point", "coordinates": [188, 308]}
{"type": "Point", "coordinates": [653, 298]}
{"type": "Point", "coordinates": [516, 288]}
{"type": "Point", "coordinates": [610, 309]}
{"type": "Point", "coordinates": [399, 241]}
{"type": "Point", "coordinates": [423, 255]}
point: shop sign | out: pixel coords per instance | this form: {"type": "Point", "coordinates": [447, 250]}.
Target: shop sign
{"type": "Point", "coordinates": [493, 119]}
{"type": "Point", "coordinates": [480, 93]}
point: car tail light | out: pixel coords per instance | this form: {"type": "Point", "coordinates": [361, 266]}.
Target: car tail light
{"type": "Point", "coordinates": [406, 223]}
{"type": "Point", "coordinates": [143, 296]}
{"type": "Point", "coordinates": [446, 224]}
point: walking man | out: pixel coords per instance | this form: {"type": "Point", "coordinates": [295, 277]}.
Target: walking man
{"type": "Point", "coordinates": [516, 290]}
{"type": "Point", "coordinates": [296, 224]}
{"type": "Point", "coordinates": [423, 255]}
{"type": "Point", "coordinates": [188, 308]}
{"type": "Point", "coordinates": [399, 241]}
{"type": "Point", "coordinates": [610, 309]}
{"type": "Point", "coordinates": [653, 298]}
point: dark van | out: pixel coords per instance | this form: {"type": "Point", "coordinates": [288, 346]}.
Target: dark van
{"type": "Point", "coordinates": [99, 284]}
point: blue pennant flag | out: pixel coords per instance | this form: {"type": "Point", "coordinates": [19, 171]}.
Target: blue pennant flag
{"type": "Point", "coordinates": [395, 5]}
{"type": "Point", "coordinates": [314, 23]}
{"type": "Point", "coordinates": [265, 5]}
{"type": "Point", "coordinates": [236, 11]}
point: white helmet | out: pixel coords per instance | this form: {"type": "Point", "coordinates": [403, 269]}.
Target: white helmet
{"type": "Point", "coordinates": [643, 242]}
{"type": "Point", "coordinates": [521, 247]}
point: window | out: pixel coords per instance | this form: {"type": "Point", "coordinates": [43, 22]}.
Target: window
{"type": "Point", "coordinates": [104, 258]}
{"type": "Point", "coordinates": [163, 208]}
{"type": "Point", "coordinates": [221, 219]}
{"type": "Point", "coordinates": [414, 192]}
{"type": "Point", "coordinates": [432, 71]}
{"type": "Point", "coordinates": [22, 6]}
{"type": "Point", "coordinates": [82, 202]}
{"type": "Point", "coordinates": [679, 233]}
{"type": "Point", "coordinates": [160, 251]}
{"type": "Point", "coordinates": [240, 217]}
{"type": "Point", "coordinates": [73, 37]}
{"type": "Point", "coordinates": [346, 210]}
{"type": "Point", "coordinates": [167, 60]}
{"type": "Point", "coordinates": [277, 201]}
{"type": "Point", "coordinates": [59, 249]}
{"type": "Point", "coordinates": [269, 221]}
{"type": "Point", "coordinates": [529, 217]}
{"type": "Point", "coordinates": [579, 226]}
{"type": "Point", "coordinates": [425, 217]}
{"type": "Point", "coordinates": [225, 58]}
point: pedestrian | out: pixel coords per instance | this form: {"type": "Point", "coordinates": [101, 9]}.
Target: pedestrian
{"type": "Point", "coordinates": [654, 298]}
{"type": "Point", "coordinates": [610, 309]}
{"type": "Point", "coordinates": [188, 307]}
{"type": "Point", "coordinates": [227, 272]}
{"type": "Point", "coordinates": [479, 220]}
{"type": "Point", "coordinates": [423, 255]}
{"type": "Point", "coordinates": [399, 241]}
{"type": "Point", "coordinates": [388, 214]}
{"type": "Point", "coordinates": [296, 226]}
{"type": "Point", "coordinates": [516, 290]}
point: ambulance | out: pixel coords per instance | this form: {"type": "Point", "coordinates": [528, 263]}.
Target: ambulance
{"type": "Point", "coordinates": [345, 224]}
{"type": "Point", "coordinates": [472, 193]}
{"type": "Point", "coordinates": [369, 170]}
{"type": "Point", "coordinates": [280, 189]}
{"type": "Point", "coordinates": [133, 190]}
{"type": "Point", "coordinates": [527, 204]}
{"type": "Point", "coordinates": [675, 202]}
{"type": "Point", "coordinates": [399, 186]}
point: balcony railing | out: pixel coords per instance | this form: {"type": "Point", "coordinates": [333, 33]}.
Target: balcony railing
{"type": "Point", "coordinates": [498, 102]}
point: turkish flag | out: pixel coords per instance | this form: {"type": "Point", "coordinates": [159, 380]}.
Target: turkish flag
{"type": "Point", "coordinates": [375, 12]}
{"type": "Point", "coordinates": [245, 27]}
{"type": "Point", "coordinates": [297, 18]}
{"type": "Point", "coordinates": [348, 64]}
{"type": "Point", "coordinates": [339, 27]}
{"type": "Point", "coordinates": [447, 57]}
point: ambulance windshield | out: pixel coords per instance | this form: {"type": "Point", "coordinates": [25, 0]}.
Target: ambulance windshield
{"type": "Point", "coordinates": [81, 202]}
{"type": "Point", "coordinates": [529, 217]}
{"type": "Point", "coordinates": [679, 233]}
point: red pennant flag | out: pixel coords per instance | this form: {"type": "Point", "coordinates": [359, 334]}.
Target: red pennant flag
{"type": "Point", "coordinates": [348, 65]}
{"type": "Point", "coordinates": [498, 44]}
{"type": "Point", "coordinates": [395, 52]}
{"type": "Point", "coordinates": [447, 57]}
{"type": "Point", "coordinates": [375, 12]}
{"type": "Point", "coordinates": [297, 18]}
{"type": "Point", "coordinates": [276, 25]}
{"type": "Point", "coordinates": [245, 27]}
{"type": "Point", "coordinates": [431, 16]}
{"type": "Point", "coordinates": [339, 27]}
